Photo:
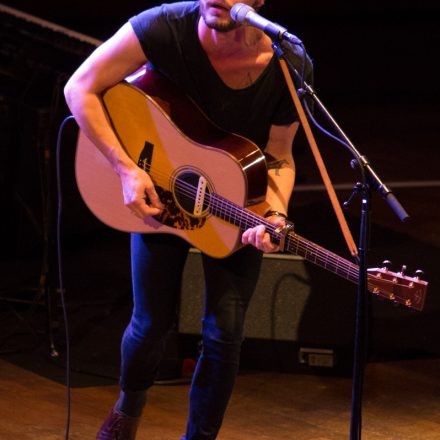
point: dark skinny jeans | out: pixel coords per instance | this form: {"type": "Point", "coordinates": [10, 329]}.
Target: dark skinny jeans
{"type": "Point", "coordinates": [157, 266]}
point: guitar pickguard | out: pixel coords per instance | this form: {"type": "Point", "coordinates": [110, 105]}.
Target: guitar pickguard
{"type": "Point", "coordinates": [173, 216]}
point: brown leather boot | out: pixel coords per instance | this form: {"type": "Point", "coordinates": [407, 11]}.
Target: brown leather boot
{"type": "Point", "coordinates": [118, 426]}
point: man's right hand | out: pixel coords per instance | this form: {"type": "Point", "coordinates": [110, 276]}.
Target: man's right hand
{"type": "Point", "coordinates": [140, 196]}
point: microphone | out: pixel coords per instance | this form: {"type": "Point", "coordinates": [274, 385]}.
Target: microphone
{"type": "Point", "coordinates": [245, 14]}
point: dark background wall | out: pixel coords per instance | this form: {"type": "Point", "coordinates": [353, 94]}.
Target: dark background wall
{"type": "Point", "coordinates": [359, 49]}
{"type": "Point", "coordinates": [375, 69]}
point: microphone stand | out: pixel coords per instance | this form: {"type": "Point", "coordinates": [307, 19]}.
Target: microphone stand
{"type": "Point", "coordinates": [370, 181]}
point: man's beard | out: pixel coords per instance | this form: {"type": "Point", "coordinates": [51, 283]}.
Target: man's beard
{"type": "Point", "coordinates": [223, 27]}
{"type": "Point", "coordinates": [216, 24]}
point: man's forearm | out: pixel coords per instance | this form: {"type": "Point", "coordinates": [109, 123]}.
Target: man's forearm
{"type": "Point", "coordinates": [281, 181]}
{"type": "Point", "coordinates": [90, 115]}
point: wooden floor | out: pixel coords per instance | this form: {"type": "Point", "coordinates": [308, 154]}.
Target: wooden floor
{"type": "Point", "coordinates": [401, 401]}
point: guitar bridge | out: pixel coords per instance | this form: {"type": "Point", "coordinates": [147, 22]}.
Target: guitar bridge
{"type": "Point", "coordinates": [200, 197]}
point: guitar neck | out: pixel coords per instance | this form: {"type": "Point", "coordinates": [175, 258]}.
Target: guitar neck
{"type": "Point", "coordinates": [294, 244]}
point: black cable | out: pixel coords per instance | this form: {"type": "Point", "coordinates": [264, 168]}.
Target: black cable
{"type": "Point", "coordinates": [303, 67]}
{"type": "Point", "coordinates": [305, 90]}
{"type": "Point", "coordinates": [60, 271]}
{"type": "Point", "coordinates": [322, 129]}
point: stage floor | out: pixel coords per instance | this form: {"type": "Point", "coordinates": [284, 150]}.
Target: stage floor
{"type": "Point", "coordinates": [400, 402]}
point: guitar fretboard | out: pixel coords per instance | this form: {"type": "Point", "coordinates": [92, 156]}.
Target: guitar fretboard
{"type": "Point", "coordinates": [294, 244]}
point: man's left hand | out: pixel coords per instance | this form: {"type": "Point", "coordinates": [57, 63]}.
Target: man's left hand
{"type": "Point", "coordinates": [259, 238]}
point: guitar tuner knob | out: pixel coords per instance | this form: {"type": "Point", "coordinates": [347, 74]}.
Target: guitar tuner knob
{"type": "Point", "coordinates": [419, 273]}
{"type": "Point", "coordinates": [386, 264]}
{"type": "Point", "coordinates": [403, 270]}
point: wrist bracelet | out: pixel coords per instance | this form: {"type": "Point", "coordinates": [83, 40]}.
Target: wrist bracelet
{"type": "Point", "coordinates": [275, 213]}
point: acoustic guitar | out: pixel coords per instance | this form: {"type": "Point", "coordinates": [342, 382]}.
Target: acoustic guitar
{"type": "Point", "coordinates": [212, 183]}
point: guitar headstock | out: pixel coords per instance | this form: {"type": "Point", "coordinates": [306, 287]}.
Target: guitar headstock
{"type": "Point", "coordinates": [398, 287]}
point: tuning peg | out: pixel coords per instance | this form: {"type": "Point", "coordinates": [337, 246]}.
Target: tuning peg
{"type": "Point", "coordinates": [403, 269]}
{"type": "Point", "coordinates": [386, 264]}
{"type": "Point", "coordinates": [419, 273]}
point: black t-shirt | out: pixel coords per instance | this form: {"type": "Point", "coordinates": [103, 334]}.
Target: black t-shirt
{"type": "Point", "coordinates": [168, 36]}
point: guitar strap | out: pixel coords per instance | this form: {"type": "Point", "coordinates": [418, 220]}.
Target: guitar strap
{"type": "Point", "coordinates": [319, 161]}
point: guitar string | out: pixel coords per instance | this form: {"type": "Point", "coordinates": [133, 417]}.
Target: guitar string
{"type": "Point", "coordinates": [228, 209]}
{"type": "Point", "coordinates": [231, 212]}
{"type": "Point", "coordinates": [322, 257]}
{"type": "Point", "coordinates": [222, 205]}
{"type": "Point", "coordinates": [294, 243]}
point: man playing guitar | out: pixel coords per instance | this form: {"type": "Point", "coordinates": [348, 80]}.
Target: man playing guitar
{"type": "Point", "coordinates": [231, 73]}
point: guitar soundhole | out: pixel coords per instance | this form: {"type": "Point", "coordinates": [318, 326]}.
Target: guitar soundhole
{"type": "Point", "coordinates": [191, 191]}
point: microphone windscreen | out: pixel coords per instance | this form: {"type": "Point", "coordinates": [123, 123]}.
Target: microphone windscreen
{"type": "Point", "coordinates": [239, 11]}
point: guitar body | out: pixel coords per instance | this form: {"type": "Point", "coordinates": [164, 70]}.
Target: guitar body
{"type": "Point", "coordinates": [188, 158]}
